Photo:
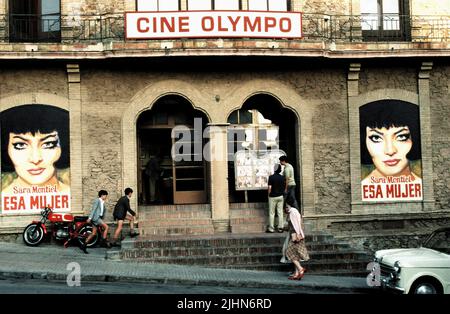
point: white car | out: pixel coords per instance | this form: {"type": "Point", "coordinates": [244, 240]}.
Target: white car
{"type": "Point", "coordinates": [424, 270]}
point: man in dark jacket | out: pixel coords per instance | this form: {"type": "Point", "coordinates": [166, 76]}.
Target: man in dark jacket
{"type": "Point", "coordinates": [120, 213]}
{"type": "Point", "coordinates": [275, 190]}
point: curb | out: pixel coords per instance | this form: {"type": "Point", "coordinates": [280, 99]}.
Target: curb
{"type": "Point", "coordinates": [5, 275]}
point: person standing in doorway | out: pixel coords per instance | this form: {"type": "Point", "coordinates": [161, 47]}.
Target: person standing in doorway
{"type": "Point", "coordinates": [290, 185]}
{"type": "Point", "coordinates": [275, 191]}
{"type": "Point", "coordinates": [121, 212]}
{"type": "Point", "coordinates": [153, 171]}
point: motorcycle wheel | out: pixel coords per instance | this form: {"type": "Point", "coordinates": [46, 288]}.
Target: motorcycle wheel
{"type": "Point", "coordinates": [84, 232]}
{"type": "Point", "coordinates": [33, 234]}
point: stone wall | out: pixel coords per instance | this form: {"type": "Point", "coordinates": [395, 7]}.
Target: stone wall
{"type": "Point", "coordinates": [440, 118]}
{"type": "Point", "coordinates": [92, 7]}
{"type": "Point", "coordinates": [326, 7]}
{"type": "Point", "coordinates": [373, 77]}
{"type": "Point", "coordinates": [388, 232]}
{"type": "Point", "coordinates": [50, 79]}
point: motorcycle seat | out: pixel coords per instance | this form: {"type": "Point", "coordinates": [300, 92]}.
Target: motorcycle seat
{"type": "Point", "coordinates": [80, 218]}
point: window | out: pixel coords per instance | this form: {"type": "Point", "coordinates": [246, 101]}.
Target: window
{"type": "Point", "coordinates": [158, 5]}
{"type": "Point", "coordinates": [193, 5]}
{"type": "Point", "coordinates": [268, 5]}
{"type": "Point", "coordinates": [213, 5]}
{"type": "Point", "coordinates": [34, 21]}
{"type": "Point", "coordinates": [385, 19]}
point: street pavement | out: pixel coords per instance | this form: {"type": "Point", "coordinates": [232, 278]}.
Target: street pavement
{"type": "Point", "coordinates": [52, 262]}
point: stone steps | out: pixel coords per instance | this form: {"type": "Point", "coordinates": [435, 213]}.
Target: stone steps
{"type": "Point", "coordinates": [176, 230]}
{"type": "Point", "coordinates": [243, 251]}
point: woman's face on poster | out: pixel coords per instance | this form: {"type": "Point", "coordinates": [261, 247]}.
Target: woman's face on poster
{"type": "Point", "coordinates": [34, 156]}
{"type": "Point", "coordinates": [388, 148]}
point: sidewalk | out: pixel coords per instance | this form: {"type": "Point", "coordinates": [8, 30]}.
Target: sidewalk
{"type": "Point", "coordinates": [49, 262]}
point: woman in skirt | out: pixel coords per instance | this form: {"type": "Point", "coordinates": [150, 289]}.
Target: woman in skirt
{"type": "Point", "coordinates": [296, 250]}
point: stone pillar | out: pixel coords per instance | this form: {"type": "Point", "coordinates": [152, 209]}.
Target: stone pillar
{"type": "Point", "coordinates": [74, 89]}
{"type": "Point", "coordinates": [425, 134]}
{"type": "Point", "coordinates": [217, 150]}
{"type": "Point", "coordinates": [353, 120]}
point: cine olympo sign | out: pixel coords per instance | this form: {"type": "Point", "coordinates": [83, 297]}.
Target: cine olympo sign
{"type": "Point", "coordinates": [203, 24]}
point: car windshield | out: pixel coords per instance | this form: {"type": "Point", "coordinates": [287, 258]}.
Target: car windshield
{"type": "Point", "coordinates": [439, 241]}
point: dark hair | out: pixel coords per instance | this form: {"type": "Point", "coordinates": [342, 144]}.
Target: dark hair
{"type": "Point", "coordinates": [386, 114]}
{"type": "Point", "coordinates": [102, 192]}
{"type": "Point", "coordinates": [283, 158]}
{"type": "Point", "coordinates": [128, 191]}
{"type": "Point", "coordinates": [34, 119]}
{"type": "Point", "coordinates": [278, 169]}
{"type": "Point", "coordinates": [289, 201]}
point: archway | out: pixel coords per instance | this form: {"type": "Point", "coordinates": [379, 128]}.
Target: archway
{"type": "Point", "coordinates": [171, 168]}
{"type": "Point", "coordinates": [259, 117]}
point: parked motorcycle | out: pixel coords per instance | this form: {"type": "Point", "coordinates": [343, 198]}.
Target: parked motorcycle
{"type": "Point", "coordinates": [62, 227]}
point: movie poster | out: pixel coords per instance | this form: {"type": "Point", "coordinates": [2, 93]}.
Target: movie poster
{"type": "Point", "coordinates": [35, 159]}
{"type": "Point", "coordinates": [391, 168]}
{"type": "Point", "coordinates": [252, 171]}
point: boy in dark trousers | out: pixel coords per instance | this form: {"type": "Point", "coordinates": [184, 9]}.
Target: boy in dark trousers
{"type": "Point", "coordinates": [120, 213]}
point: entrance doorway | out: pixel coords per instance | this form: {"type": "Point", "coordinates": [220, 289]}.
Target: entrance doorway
{"type": "Point", "coordinates": [166, 175]}
{"type": "Point", "coordinates": [256, 119]}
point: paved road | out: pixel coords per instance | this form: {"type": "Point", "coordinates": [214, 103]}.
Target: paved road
{"type": "Point", "coordinates": [27, 286]}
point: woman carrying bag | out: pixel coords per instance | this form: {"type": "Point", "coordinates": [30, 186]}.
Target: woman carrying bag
{"type": "Point", "coordinates": [296, 250]}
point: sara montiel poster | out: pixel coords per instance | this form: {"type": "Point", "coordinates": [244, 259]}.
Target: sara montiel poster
{"type": "Point", "coordinates": [35, 159]}
{"type": "Point", "coordinates": [391, 167]}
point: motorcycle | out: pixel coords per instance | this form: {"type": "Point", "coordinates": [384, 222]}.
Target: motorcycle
{"type": "Point", "coordinates": [62, 227]}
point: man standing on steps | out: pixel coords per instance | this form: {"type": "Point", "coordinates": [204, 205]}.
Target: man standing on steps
{"type": "Point", "coordinates": [120, 213]}
{"type": "Point", "coordinates": [289, 191]}
{"type": "Point", "coordinates": [276, 191]}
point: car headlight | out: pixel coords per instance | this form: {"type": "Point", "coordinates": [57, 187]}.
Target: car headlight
{"type": "Point", "coordinates": [397, 267]}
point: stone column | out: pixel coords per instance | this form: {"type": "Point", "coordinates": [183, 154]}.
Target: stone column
{"type": "Point", "coordinates": [216, 151]}
{"type": "Point", "coordinates": [425, 134]}
{"type": "Point", "coordinates": [353, 121]}
{"type": "Point", "coordinates": [74, 88]}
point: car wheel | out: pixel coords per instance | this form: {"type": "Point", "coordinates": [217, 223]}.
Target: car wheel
{"type": "Point", "coordinates": [426, 287]}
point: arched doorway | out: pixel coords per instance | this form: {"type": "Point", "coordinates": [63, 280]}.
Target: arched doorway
{"type": "Point", "coordinates": [259, 117]}
{"type": "Point", "coordinates": [171, 167]}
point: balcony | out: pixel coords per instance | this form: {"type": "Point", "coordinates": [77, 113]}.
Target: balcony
{"type": "Point", "coordinates": [102, 36]}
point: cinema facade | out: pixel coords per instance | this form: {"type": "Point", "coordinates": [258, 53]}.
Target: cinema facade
{"type": "Point", "coordinates": [238, 80]}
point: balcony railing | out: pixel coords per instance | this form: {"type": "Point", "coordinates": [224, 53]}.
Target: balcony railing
{"type": "Point", "coordinates": [316, 27]}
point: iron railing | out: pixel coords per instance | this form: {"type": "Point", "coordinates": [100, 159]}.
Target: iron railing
{"type": "Point", "coordinates": [316, 27]}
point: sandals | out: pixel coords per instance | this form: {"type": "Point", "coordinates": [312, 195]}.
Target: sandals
{"type": "Point", "coordinates": [298, 276]}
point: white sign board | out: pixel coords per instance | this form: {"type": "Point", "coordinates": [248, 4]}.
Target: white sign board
{"type": "Point", "coordinates": [204, 24]}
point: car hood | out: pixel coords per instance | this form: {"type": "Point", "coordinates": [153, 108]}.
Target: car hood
{"type": "Point", "coordinates": [419, 257]}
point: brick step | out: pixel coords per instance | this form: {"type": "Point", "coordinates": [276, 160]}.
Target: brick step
{"type": "Point", "coordinates": [242, 213]}
{"type": "Point", "coordinates": [275, 246]}
{"type": "Point", "coordinates": [248, 220]}
{"type": "Point", "coordinates": [248, 228]}
{"type": "Point", "coordinates": [175, 222]}
{"type": "Point", "coordinates": [174, 214]}
{"type": "Point", "coordinates": [232, 259]}
{"type": "Point", "coordinates": [343, 254]}
{"type": "Point", "coordinates": [179, 207]}
{"type": "Point", "coordinates": [223, 240]}
{"type": "Point", "coordinates": [247, 206]}
{"type": "Point", "coordinates": [181, 230]}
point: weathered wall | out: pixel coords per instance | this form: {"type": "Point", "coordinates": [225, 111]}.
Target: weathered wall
{"type": "Point", "coordinates": [440, 121]}
{"type": "Point", "coordinates": [373, 77]}
{"type": "Point", "coordinates": [43, 79]}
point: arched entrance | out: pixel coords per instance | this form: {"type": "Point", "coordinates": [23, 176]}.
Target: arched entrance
{"type": "Point", "coordinates": [265, 125]}
{"type": "Point", "coordinates": [171, 168]}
